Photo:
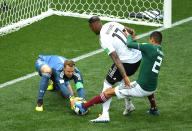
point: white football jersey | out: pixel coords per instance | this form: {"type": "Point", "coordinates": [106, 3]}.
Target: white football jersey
{"type": "Point", "coordinates": [112, 38]}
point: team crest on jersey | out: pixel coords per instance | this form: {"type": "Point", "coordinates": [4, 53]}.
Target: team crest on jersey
{"type": "Point", "coordinates": [61, 81]}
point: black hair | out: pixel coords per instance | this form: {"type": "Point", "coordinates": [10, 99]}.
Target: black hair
{"type": "Point", "coordinates": [94, 19]}
{"type": "Point", "coordinates": [157, 36]}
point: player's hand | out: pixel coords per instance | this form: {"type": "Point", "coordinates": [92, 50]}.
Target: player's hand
{"type": "Point", "coordinates": [127, 31]}
{"type": "Point", "coordinates": [127, 82]}
{"type": "Point", "coordinates": [133, 35]}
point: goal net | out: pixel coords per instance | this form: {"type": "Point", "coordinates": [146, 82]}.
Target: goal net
{"type": "Point", "coordinates": [15, 14]}
{"type": "Point", "coordinates": [129, 11]}
{"type": "Point", "coordinates": [145, 12]}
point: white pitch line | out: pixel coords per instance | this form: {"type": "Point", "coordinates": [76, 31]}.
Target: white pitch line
{"type": "Point", "coordinates": [87, 55]}
{"type": "Point", "coordinates": [93, 53]}
{"type": "Point", "coordinates": [18, 79]}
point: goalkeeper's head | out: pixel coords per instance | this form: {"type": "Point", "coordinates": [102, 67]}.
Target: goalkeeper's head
{"type": "Point", "coordinates": [95, 24]}
{"type": "Point", "coordinates": [68, 68]}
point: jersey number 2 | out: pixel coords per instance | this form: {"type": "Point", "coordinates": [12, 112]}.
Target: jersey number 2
{"type": "Point", "coordinates": [157, 64]}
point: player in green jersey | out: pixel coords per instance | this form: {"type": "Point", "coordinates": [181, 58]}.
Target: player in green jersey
{"type": "Point", "coordinates": [146, 83]}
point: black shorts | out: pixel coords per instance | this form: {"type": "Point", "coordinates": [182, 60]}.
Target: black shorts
{"type": "Point", "coordinates": [114, 75]}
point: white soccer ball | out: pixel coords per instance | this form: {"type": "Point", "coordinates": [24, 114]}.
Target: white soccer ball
{"type": "Point", "coordinates": [77, 110]}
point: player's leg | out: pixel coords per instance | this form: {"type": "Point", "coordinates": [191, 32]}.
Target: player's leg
{"type": "Point", "coordinates": [120, 91]}
{"type": "Point", "coordinates": [129, 107]}
{"type": "Point", "coordinates": [45, 73]}
{"type": "Point", "coordinates": [103, 97]}
{"type": "Point", "coordinates": [130, 70]}
{"type": "Point", "coordinates": [110, 80]}
{"type": "Point", "coordinates": [135, 91]}
{"type": "Point", "coordinates": [113, 77]}
{"type": "Point", "coordinates": [106, 105]}
{"type": "Point", "coordinates": [153, 110]}
{"type": "Point", "coordinates": [104, 117]}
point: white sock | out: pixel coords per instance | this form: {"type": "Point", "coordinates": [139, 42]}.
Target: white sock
{"type": "Point", "coordinates": [106, 105]}
{"type": "Point", "coordinates": [127, 101]}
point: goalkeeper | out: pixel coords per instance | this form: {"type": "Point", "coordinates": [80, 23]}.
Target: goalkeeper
{"type": "Point", "coordinates": [60, 71]}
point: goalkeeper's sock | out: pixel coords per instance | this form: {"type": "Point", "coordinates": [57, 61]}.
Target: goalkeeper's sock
{"type": "Point", "coordinates": [152, 101]}
{"type": "Point", "coordinates": [39, 102]}
{"type": "Point", "coordinates": [43, 84]}
{"type": "Point", "coordinates": [96, 100]}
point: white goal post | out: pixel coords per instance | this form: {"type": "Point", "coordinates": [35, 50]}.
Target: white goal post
{"type": "Point", "coordinates": [15, 14]}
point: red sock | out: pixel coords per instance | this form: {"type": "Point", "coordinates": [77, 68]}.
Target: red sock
{"type": "Point", "coordinates": [96, 100]}
{"type": "Point", "coordinates": [152, 101]}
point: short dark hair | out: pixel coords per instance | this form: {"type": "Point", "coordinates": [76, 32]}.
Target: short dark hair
{"type": "Point", "coordinates": [94, 19]}
{"type": "Point", "coordinates": [69, 63]}
{"type": "Point", "coordinates": [157, 36]}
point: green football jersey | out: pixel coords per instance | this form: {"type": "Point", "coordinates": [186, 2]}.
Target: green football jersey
{"type": "Point", "coordinates": [152, 57]}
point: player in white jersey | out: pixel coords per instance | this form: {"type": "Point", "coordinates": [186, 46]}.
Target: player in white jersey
{"type": "Point", "coordinates": [126, 60]}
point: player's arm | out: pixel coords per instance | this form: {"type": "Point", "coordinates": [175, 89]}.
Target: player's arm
{"type": "Point", "coordinates": [131, 39]}
{"type": "Point", "coordinates": [120, 67]}
{"type": "Point", "coordinates": [131, 43]}
{"type": "Point", "coordinates": [140, 46]}
{"type": "Point", "coordinates": [70, 89]}
{"type": "Point", "coordinates": [78, 79]}
{"type": "Point", "coordinates": [63, 86]}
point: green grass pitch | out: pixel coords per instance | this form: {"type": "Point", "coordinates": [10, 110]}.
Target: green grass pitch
{"type": "Point", "coordinates": [71, 37]}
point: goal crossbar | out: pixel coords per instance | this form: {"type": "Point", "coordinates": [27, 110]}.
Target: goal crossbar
{"type": "Point", "coordinates": [112, 18]}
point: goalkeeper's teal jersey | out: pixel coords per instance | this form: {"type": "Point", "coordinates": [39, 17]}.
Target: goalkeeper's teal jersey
{"type": "Point", "coordinates": [152, 57]}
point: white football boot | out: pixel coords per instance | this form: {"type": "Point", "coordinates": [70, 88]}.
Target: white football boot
{"type": "Point", "coordinates": [128, 109]}
{"type": "Point", "coordinates": [101, 119]}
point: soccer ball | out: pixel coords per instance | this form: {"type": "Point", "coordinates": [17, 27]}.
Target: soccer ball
{"type": "Point", "coordinates": [77, 110]}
